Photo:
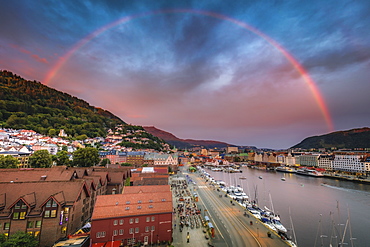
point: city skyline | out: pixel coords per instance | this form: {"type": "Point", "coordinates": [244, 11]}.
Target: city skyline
{"type": "Point", "coordinates": [260, 73]}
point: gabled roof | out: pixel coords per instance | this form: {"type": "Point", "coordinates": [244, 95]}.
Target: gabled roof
{"type": "Point", "coordinates": [37, 193]}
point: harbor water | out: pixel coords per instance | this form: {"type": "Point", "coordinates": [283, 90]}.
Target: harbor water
{"type": "Point", "coordinates": [322, 211]}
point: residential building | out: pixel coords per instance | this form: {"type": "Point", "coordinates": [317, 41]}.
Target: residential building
{"type": "Point", "coordinates": [144, 216]}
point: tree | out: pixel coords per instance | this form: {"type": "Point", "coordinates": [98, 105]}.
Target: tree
{"type": "Point", "coordinates": [105, 161]}
{"type": "Point", "coordinates": [40, 159]}
{"type": "Point", "coordinates": [86, 157]}
{"type": "Point", "coordinates": [62, 158]}
{"type": "Point", "coordinates": [52, 132]}
{"type": "Point", "coordinates": [8, 162]}
{"type": "Point", "coordinates": [20, 239]}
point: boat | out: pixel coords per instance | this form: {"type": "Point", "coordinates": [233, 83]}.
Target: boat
{"type": "Point", "coordinates": [242, 177]}
{"type": "Point", "coordinates": [283, 178]}
{"type": "Point", "coordinates": [260, 177]}
{"type": "Point", "coordinates": [285, 169]}
{"type": "Point", "coordinates": [309, 172]}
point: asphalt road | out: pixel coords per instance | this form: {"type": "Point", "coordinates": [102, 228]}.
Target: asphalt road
{"type": "Point", "coordinates": [232, 228]}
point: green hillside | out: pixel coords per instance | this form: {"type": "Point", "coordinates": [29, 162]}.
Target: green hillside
{"type": "Point", "coordinates": [355, 138]}
{"type": "Point", "coordinates": [32, 105]}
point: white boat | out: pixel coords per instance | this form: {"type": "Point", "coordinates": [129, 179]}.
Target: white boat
{"type": "Point", "coordinates": [309, 172]}
{"type": "Point", "coordinates": [279, 226]}
{"type": "Point", "coordinates": [286, 169]}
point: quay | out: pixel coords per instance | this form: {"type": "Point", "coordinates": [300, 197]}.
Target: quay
{"type": "Point", "coordinates": [205, 216]}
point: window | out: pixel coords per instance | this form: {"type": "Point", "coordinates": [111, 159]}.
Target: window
{"type": "Point", "coordinates": [51, 209]}
{"type": "Point", "coordinates": [38, 223]}
{"type": "Point", "coordinates": [147, 219]}
{"type": "Point", "coordinates": [120, 231]}
{"type": "Point", "coordinates": [153, 228]}
{"type": "Point", "coordinates": [139, 201]}
{"type": "Point", "coordinates": [128, 202]}
{"type": "Point", "coordinates": [131, 220]}
{"type": "Point", "coordinates": [136, 220]}
{"type": "Point", "coordinates": [153, 218]}
{"type": "Point", "coordinates": [115, 233]}
{"type": "Point", "coordinates": [30, 224]}
{"type": "Point", "coordinates": [139, 207]}
{"type": "Point", "coordinates": [150, 201]}
{"type": "Point", "coordinates": [115, 222]}
{"type": "Point", "coordinates": [121, 222]}
{"type": "Point", "coordinates": [163, 200]}
{"type": "Point", "coordinates": [137, 230]}
{"type": "Point", "coordinates": [146, 239]}
{"type": "Point", "coordinates": [131, 231]}
{"type": "Point", "coordinates": [100, 234]}
{"type": "Point", "coordinates": [150, 206]}
{"type": "Point", "coordinates": [147, 229]}
{"type": "Point", "coordinates": [6, 226]}
{"type": "Point", "coordinates": [127, 208]}
{"type": "Point", "coordinates": [19, 211]}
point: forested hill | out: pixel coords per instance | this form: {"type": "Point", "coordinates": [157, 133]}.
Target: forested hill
{"type": "Point", "coordinates": [34, 106]}
{"type": "Point", "coordinates": [355, 138]}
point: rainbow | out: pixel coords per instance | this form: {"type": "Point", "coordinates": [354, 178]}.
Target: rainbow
{"type": "Point", "coordinates": [310, 82]}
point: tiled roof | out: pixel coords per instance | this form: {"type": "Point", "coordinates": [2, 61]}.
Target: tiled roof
{"type": "Point", "coordinates": [121, 205]}
{"type": "Point", "coordinates": [36, 193]}
{"type": "Point", "coordinates": [146, 189]}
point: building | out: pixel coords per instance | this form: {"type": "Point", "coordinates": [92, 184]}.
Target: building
{"type": "Point", "coordinates": [349, 162]}
{"type": "Point", "coordinates": [140, 216]}
{"type": "Point", "coordinates": [46, 210]}
{"type": "Point", "coordinates": [52, 203]}
{"type": "Point", "coordinates": [310, 160]}
{"type": "Point", "coordinates": [325, 161]}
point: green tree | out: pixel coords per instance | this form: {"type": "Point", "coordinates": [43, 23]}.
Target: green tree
{"type": "Point", "coordinates": [62, 158]}
{"type": "Point", "coordinates": [105, 161]}
{"type": "Point", "coordinates": [8, 162]}
{"type": "Point", "coordinates": [40, 159]}
{"type": "Point", "coordinates": [20, 239]}
{"type": "Point", "coordinates": [52, 132]}
{"type": "Point", "coordinates": [86, 157]}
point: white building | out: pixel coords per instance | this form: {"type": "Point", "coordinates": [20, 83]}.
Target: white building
{"type": "Point", "coordinates": [325, 162]}
{"type": "Point", "coordinates": [349, 162]}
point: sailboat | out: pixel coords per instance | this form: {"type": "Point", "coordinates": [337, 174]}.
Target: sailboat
{"type": "Point", "coordinates": [292, 240]}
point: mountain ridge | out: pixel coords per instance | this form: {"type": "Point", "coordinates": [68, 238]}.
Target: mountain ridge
{"type": "Point", "coordinates": [185, 143]}
{"type": "Point", "coordinates": [353, 138]}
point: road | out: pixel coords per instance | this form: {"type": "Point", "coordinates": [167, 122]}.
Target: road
{"type": "Point", "coordinates": [232, 228]}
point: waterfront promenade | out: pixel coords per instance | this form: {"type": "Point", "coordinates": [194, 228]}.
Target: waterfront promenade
{"type": "Point", "coordinates": [222, 217]}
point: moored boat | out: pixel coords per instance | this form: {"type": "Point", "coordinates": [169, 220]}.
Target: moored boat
{"type": "Point", "coordinates": [309, 172]}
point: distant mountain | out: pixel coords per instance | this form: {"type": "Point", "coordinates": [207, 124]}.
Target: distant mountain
{"type": "Point", "coordinates": [183, 143]}
{"type": "Point", "coordinates": [354, 138]}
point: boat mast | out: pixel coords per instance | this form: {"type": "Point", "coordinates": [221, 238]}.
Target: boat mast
{"type": "Point", "coordinates": [351, 238]}
{"type": "Point", "coordinates": [291, 223]}
{"type": "Point", "coordinates": [333, 230]}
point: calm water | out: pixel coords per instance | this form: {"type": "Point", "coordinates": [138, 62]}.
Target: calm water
{"type": "Point", "coordinates": [318, 206]}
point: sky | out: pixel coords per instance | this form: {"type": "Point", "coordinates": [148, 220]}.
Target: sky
{"type": "Point", "coordinates": [259, 73]}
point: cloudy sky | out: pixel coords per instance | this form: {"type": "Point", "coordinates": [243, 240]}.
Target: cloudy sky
{"type": "Point", "coordinates": [263, 73]}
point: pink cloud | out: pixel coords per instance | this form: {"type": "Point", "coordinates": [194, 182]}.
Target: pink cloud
{"type": "Point", "coordinates": [34, 56]}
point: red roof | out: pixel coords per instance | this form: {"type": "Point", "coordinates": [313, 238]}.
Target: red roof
{"type": "Point", "coordinates": [121, 205]}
